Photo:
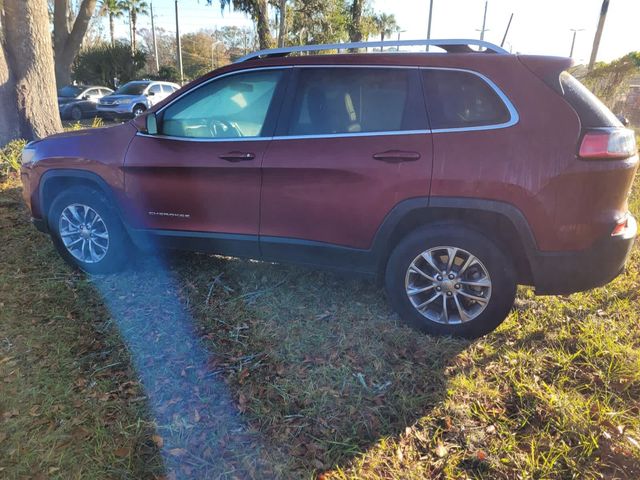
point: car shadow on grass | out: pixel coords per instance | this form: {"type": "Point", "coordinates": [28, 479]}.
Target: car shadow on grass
{"type": "Point", "coordinates": [255, 370]}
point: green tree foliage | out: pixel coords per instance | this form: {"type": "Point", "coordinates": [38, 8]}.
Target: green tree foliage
{"type": "Point", "coordinates": [610, 81]}
{"type": "Point", "coordinates": [168, 73]}
{"type": "Point", "coordinates": [103, 63]}
{"type": "Point", "coordinates": [318, 21]}
{"type": "Point", "coordinates": [386, 25]}
{"type": "Point", "coordinates": [112, 9]}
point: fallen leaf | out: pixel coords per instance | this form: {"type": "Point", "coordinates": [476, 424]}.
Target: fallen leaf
{"type": "Point", "coordinates": [196, 416]}
{"type": "Point", "coordinates": [491, 429]}
{"type": "Point", "coordinates": [122, 452]}
{"type": "Point", "coordinates": [177, 452]}
{"type": "Point", "coordinates": [481, 455]}
{"type": "Point", "coordinates": [441, 450]}
{"type": "Point", "coordinates": [158, 440]}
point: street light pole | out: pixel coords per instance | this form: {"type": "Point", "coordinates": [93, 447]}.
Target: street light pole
{"type": "Point", "coordinates": [573, 40]}
{"type": "Point", "coordinates": [484, 20]}
{"type": "Point", "coordinates": [153, 36]}
{"type": "Point", "coordinates": [179, 46]}
{"type": "Point", "coordinates": [429, 24]}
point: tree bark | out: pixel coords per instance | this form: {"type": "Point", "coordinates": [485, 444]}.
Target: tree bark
{"type": "Point", "coordinates": [282, 29]}
{"type": "Point", "coordinates": [355, 27]}
{"type": "Point", "coordinates": [67, 36]}
{"type": "Point", "coordinates": [262, 23]}
{"type": "Point", "coordinates": [112, 29]}
{"type": "Point", "coordinates": [27, 89]}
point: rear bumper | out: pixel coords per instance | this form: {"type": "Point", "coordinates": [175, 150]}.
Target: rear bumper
{"type": "Point", "coordinates": [562, 273]}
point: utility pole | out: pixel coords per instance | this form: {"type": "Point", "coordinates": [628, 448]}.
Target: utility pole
{"type": "Point", "coordinates": [573, 41]}
{"type": "Point", "coordinates": [504, 39]}
{"type": "Point", "coordinates": [429, 24]}
{"type": "Point", "coordinates": [179, 46]}
{"type": "Point", "coordinates": [484, 20]}
{"type": "Point", "coordinates": [153, 36]}
{"type": "Point", "coordinates": [596, 40]}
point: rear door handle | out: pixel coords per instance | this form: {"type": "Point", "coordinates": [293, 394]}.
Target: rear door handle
{"type": "Point", "coordinates": [237, 156]}
{"type": "Point", "coordinates": [396, 156]}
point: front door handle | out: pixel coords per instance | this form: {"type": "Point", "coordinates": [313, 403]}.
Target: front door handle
{"type": "Point", "coordinates": [237, 156]}
{"type": "Point", "coordinates": [396, 156]}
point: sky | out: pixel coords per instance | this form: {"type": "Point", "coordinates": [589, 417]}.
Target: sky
{"type": "Point", "coordinates": [538, 27]}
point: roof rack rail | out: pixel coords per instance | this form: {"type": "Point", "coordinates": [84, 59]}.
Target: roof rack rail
{"type": "Point", "coordinates": [451, 45]}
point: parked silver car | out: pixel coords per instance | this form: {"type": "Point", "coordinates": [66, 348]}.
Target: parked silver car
{"type": "Point", "coordinates": [133, 98]}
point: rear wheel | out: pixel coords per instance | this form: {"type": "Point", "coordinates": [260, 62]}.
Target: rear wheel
{"type": "Point", "coordinates": [450, 280]}
{"type": "Point", "coordinates": [87, 231]}
{"type": "Point", "coordinates": [76, 113]}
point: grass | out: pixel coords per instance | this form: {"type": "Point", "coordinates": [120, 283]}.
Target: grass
{"type": "Point", "coordinates": [201, 366]}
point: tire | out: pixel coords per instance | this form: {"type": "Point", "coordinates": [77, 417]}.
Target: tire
{"type": "Point", "coordinates": [138, 110]}
{"type": "Point", "coordinates": [76, 113]}
{"type": "Point", "coordinates": [100, 255]}
{"type": "Point", "coordinates": [491, 273]}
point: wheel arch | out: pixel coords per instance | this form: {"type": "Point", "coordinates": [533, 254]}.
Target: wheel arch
{"type": "Point", "coordinates": [498, 221]}
{"type": "Point", "coordinates": [55, 181]}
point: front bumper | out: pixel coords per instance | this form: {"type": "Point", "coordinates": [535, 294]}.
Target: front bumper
{"type": "Point", "coordinates": [122, 110]}
{"type": "Point", "coordinates": [562, 273]}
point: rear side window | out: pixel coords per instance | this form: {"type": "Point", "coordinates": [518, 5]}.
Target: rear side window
{"type": "Point", "coordinates": [458, 99]}
{"type": "Point", "coordinates": [592, 112]}
{"type": "Point", "coordinates": [356, 100]}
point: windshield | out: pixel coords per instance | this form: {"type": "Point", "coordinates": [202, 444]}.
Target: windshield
{"type": "Point", "coordinates": [69, 91]}
{"type": "Point", "coordinates": [133, 88]}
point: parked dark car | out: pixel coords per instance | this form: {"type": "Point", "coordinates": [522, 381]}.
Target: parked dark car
{"type": "Point", "coordinates": [79, 101]}
{"type": "Point", "coordinates": [450, 177]}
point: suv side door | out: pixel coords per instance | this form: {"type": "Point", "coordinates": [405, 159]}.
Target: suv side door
{"type": "Point", "coordinates": [351, 144]}
{"type": "Point", "coordinates": [155, 94]}
{"type": "Point", "coordinates": [199, 177]}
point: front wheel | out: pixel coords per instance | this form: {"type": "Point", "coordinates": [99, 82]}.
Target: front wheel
{"type": "Point", "coordinates": [450, 280]}
{"type": "Point", "coordinates": [87, 232]}
{"type": "Point", "coordinates": [138, 110]}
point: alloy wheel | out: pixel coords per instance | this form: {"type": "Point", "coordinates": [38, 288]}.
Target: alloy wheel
{"type": "Point", "coordinates": [83, 233]}
{"type": "Point", "coordinates": [448, 285]}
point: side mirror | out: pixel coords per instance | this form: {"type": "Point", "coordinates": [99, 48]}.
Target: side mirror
{"type": "Point", "coordinates": [150, 94]}
{"type": "Point", "coordinates": [152, 124]}
{"type": "Point", "coordinates": [85, 97]}
{"type": "Point", "coordinates": [624, 120]}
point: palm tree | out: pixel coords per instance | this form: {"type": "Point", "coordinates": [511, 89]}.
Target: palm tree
{"type": "Point", "coordinates": [135, 8]}
{"type": "Point", "coordinates": [113, 9]}
{"type": "Point", "coordinates": [386, 25]}
{"type": "Point", "coordinates": [257, 9]}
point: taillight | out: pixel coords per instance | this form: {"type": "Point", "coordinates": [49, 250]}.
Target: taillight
{"type": "Point", "coordinates": [608, 143]}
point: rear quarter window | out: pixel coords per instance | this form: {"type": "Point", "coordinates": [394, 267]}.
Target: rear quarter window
{"type": "Point", "coordinates": [458, 99]}
{"type": "Point", "coordinates": [592, 112]}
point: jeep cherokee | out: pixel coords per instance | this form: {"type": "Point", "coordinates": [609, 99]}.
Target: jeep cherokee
{"type": "Point", "coordinates": [452, 177]}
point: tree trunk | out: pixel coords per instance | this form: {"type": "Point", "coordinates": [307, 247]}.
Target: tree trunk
{"type": "Point", "coordinates": [355, 27]}
{"type": "Point", "coordinates": [112, 29]}
{"type": "Point", "coordinates": [283, 23]}
{"type": "Point", "coordinates": [67, 38]}
{"type": "Point", "coordinates": [134, 20]}
{"type": "Point", "coordinates": [28, 108]}
{"type": "Point", "coordinates": [262, 23]}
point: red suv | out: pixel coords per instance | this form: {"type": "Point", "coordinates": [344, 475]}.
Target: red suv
{"type": "Point", "coordinates": [452, 176]}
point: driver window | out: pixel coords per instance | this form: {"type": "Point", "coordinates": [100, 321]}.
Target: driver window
{"type": "Point", "coordinates": [231, 107]}
{"type": "Point", "coordinates": [155, 89]}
